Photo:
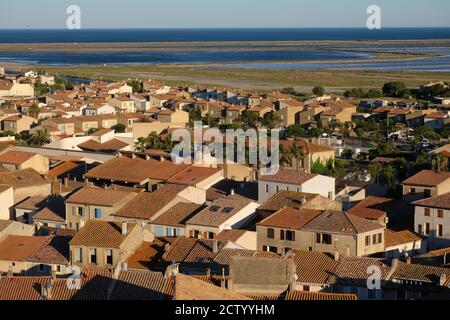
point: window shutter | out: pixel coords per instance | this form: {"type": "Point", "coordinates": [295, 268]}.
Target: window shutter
{"type": "Point", "coordinates": [282, 234]}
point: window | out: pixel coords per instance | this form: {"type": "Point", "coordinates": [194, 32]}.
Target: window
{"type": "Point", "coordinates": [368, 241]}
{"type": "Point", "coordinates": [109, 257]}
{"type": "Point", "coordinates": [374, 239]}
{"type": "Point", "coordinates": [281, 234]}
{"type": "Point", "coordinates": [77, 211]}
{"type": "Point", "coordinates": [290, 235]}
{"type": "Point", "coordinates": [158, 231]}
{"type": "Point", "coordinates": [427, 212]}
{"type": "Point", "coordinates": [267, 188]}
{"type": "Point", "coordinates": [176, 233]}
{"type": "Point", "coordinates": [412, 191]}
{"type": "Point", "coordinates": [211, 235]}
{"type": "Point", "coordinates": [270, 233]}
{"type": "Point", "coordinates": [427, 193]}
{"type": "Point", "coordinates": [324, 238]}
{"type": "Point", "coordinates": [98, 213]}
{"type": "Point", "coordinates": [420, 229]}
{"type": "Point", "coordinates": [427, 228]}
{"type": "Point", "coordinates": [380, 238]}
{"type": "Point", "coordinates": [440, 213]}
{"type": "Point", "coordinates": [306, 289]}
{"type": "Point", "coordinates": [277, 188]}
{"type": "Point", "coordinates": [273, 249]}
{"type": "Point", "coordinates": [58, 268]}
{"type": "Point", "coordinates": [440, 230]}
{"type": "Point", "coordinates": [93, 256]}
{"type": "Point", "coordinates": [41, 268]}
{"type": "Point", "coordinates": [79, 255]}
{"type": "Point", "coordinates": [168, 232]}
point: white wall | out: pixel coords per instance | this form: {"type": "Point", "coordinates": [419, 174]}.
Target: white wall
{"type": "Point", "coordinates": [6, 202]}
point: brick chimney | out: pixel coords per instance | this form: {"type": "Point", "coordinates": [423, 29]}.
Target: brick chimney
{"type": "Point", "coordinates": [124, 228]}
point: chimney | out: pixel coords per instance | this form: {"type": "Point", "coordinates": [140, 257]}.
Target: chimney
{"type": "Point", "coordinates": [408, 260]}
{"type": "Point", "coordinates": [124, 228]}
{"type": "Point", "coordinates": [442, 280]}
{"type": "Point", "coordinates": [124, 266]}
{"type": "Point", "coordinates": [303, 200]}
{"type": "Point", "coordinates": [336, 255]}
{"type": "Point", "coordinates": [66, 181]}
{"type": "Point", "coordinates": [215, 248]}
{"type": "Point", "coordinates": [223, 283]}
{"type": "Point", "coordinates": [208, 272]}
{"type": "Point", "coordinates": [232, 192]}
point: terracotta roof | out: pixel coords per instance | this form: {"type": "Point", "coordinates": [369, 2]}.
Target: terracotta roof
{"type": "Point", "coordinates": [398, 238]}
{"type": "Point", "coordinates": [307, 147]}
{"type": "Point", "coordinates": [23, 178]}
{"type": "Point", "coordinates": [148, 253]}
{"type": "Point", "coordinates": [340, 222]}
{"type": "Point", "coordinates": [180, 249]}
{"type": "Point", "coordinates": [220, 211]}
{"type": "Point", "coordinates": [316, 296]}
{"type": "Point", "coordinates": [427, 178]}
{"type": "Point", "coordinates": [101, 234]}
{"type": "Point", "coordinates": [371, 207]}
{"type": "Point", "coordinates": [437, 115]}
{"type": "Point", "coordinates": [406, 271]}
{"type": "Point", "coordinates": [99, 196]}
{"type": "Point", "coordinates": [287, 199]}
{"type": "Point", "coordinates": [189, 288]}
{"type": "Point", "coordinates": [134, 170]}
{"type": "Point", "coordinates": [61, 169]}
{"type": "Point", "coordinates": [203, 252]}
{"type": "Point", "coordinates": [15, 157]}
{"type": "Point", "coordinates": [20, 248]}
{"type": "Point", "coordinates": [193, 175]}
{"type": "Point", "coordinates": [289, 218]}
{"type": "Point", "coordinates": [22, 288]}
{"type": "Point", "coordinates": [54, 251]}
{"type": "Point", "coordinates": [313, 267]}
{"type": "Point", "coordinates": [111, 145]}
{"type": "Point", "coordinates": [353, 270]}
{"type": "Point", "coordinates": [142, 285]}
{"type": "Point", "coordinates": [145, 205]}
{"type": "Point", "coordinates": [32, 203]}
{"type": "Point", "coordinates": [230, 235]}
{"type": "Point", "coordinates": [48, 215]}
{"type": "Point", "coordinates": [441, 202]}
{"type": "Point", "coordinates": [288, 177]}
{"type": "Point", "coordinates": [177, 215]}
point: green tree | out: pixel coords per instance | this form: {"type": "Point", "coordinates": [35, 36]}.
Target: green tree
{"type": "Point", "coordinates": [318, 91]}
{"type": "Point", "coordinates": [136, 85]}
{"type": "Point", "coordinates": [388, 173]}
{"type": "Point", "coordinates": [119, 128]}
{"type": "Point", "coordinates": [34, 111]}
{"type": "Point", "coordinates": [296, 150]}
{"type": "Point", "coordinates": [295, 130]}
{"type": "Point", "coordinates": [375, 170]}
{"type": "Point", "coordinates": [271, 120]}
{"type": "Point", "coordinates": [39, 138]}
{"type": "Point", "coordinates": [347, 153]}
{"type": "Point", "coordinates": [393, 89]}
{"type": "Point", "coordinates": [288, 90]}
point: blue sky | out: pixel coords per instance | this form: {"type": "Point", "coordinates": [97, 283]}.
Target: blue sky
{"type": "Point", "coordinates": [21, 14]}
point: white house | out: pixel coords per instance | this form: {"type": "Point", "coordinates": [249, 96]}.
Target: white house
{"type": "Point", "coordinates": [269, 185]}
{"type": "Point", "coordinates": [97, 109]}
{"type": "Point", "coordinates": [432, 219]}
{"type": "Point", "coordinates": [6, 201]}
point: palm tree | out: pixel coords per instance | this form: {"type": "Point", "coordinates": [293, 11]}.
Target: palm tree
{"type": "Point", "coordinates": [297, 152]}
{"type": "Point", "coordinates": [388, 173]}
{"type": "Point", "coordinates": [375, 170]}
{"type": "Point", "coordinates": [439, 163]}
{"type": "Point", "coordinates": [34, 111]}
{"type": "Point", "coordinates": [39, 138]}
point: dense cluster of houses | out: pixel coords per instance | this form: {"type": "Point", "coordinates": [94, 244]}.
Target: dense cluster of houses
{"type": "Point", "coordinates": [130, 224]}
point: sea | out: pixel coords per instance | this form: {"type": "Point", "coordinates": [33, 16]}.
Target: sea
{"type": "Point", "coordinates": [236, 55]}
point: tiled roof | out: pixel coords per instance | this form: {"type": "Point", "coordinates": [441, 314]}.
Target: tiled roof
{"type": "Point", "coordinates": [398, 238]}
{"type": "Point", "coordinates": [287, 199]}
{"type": "Point", "coordinates": [416, 272]}
{"type": "Point", "coordinates": [178, 215]}
{"type": "Point", "coordinates": [49, 215]}
{"type": "Point", "coordinates": [224, 256]}
{"type": "Point", "coordinates": [220, 211]}
{"type": "Point", "coordinates": [32, 203]}
{"type": "Point", "coordinates": [189, 288]}
{"type": "Point", "coordinates": [193, 175]}
{"type": "Point", "coordinates": [111, 145]}
{"type": "Point", "coordinates": [23, 178]}
{"type": "Point", "coordinates": [313, 267]}
{"type": "Point", "coordinates": [22, 288]}
{"type": "Point", "coordinates": [134, 170]}
{"type": "Point", "coordinates": [288, 177]}
{"type": "Point", "coordinates": [99, 196]}
{"type": "Point", "coordinates": [372, 208]}
{"type": "Point", "coordinates": [20, 248]}
{"type": "Point", "coordinates": [316, 296]}
{"type": "Point", "coordinates": [148, 253]}
{"type": "Point", "coordinates": [290, 218]}
{"type": "Point", "coordinates": [54, 251]}
{"type": "Point", "coordinates": [441, 202]}
{"type": "Point", "coordinates": [427, 178]}
{"type": "Point", "coordinates": [353, 270]}
{"type": "Point", "coordinates": [66, 166]}
{"type": "Point", "coordinates": [180, 249]}
{"type": "Point", "coordinates": [230, 235]}
{"type": "Point", "coordinates": [307, 147]}
{"type": "Point", "coordinates": [15, 157]}
{"type": "Point", "coordinates": [142, 285]}
{"type": "Point", "coordinates": [340, 222]}
{"type": "Point", "coordinates": [101, 234]}
{"type": "Point", "coordinates": [203, 252]}
{"type": "Point", "coordinates": [146, 204]}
